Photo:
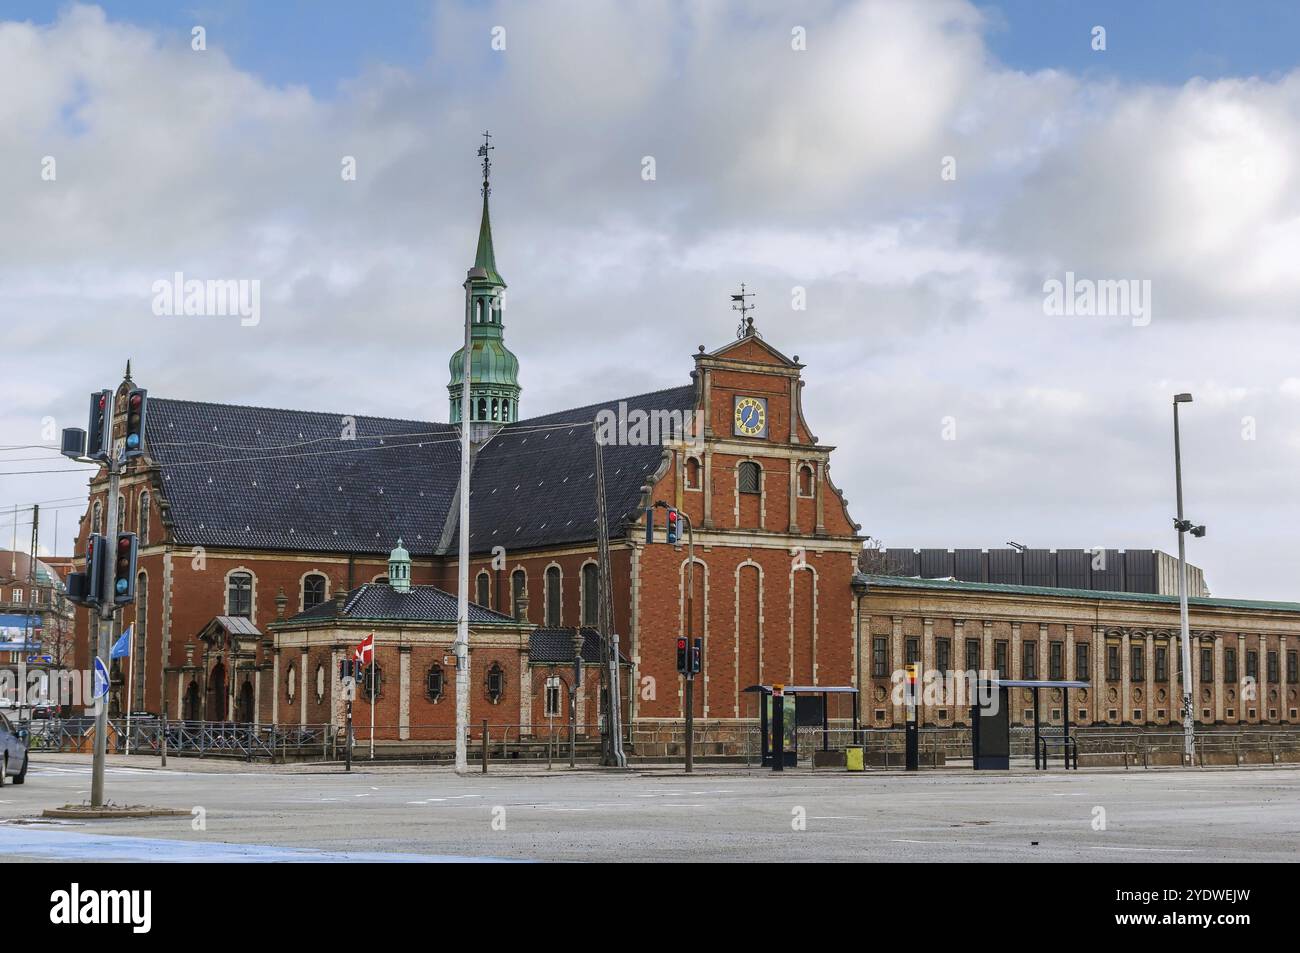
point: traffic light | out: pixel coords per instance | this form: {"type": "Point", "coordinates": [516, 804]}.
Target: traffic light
{"type": "Point", "coordinates": [683, 661]}
{"type": "Point", "coordinates": [674, 525]}
{"type": "Point", "coordinates": [695, 656]}
{"type": "Point", "coordinates": [96, 567]}
{"type": "Point", "coordinates": [136, 402]}
{"type": "Point", "coordinates": [347, 668]}
{"type": "Point", "coordinates": [99, 432]}
{"type": "Point", "coordinates": [124, 569]}
{"type": "Point", "coordinates": [74, 584]}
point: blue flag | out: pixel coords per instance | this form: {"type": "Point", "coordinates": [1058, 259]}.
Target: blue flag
{"type": "Point", "coordinates": [122, 647]}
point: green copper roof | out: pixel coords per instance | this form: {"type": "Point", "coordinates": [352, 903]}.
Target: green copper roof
{"type": "Point", "coordinates": [913, 582]}
{"type": "Point", "coordinates": [485, 257]}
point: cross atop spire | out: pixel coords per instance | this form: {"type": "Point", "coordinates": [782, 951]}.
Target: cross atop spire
{"type": "Point", "coordinates": [483, 151]}
{"type": "Point", "coordinates": [741, 303]}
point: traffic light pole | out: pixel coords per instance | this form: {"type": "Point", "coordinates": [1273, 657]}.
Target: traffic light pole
{"type": "Point", "coordinates": [690, 641]}
{"type": "Point", "coordinates": [106, 609]}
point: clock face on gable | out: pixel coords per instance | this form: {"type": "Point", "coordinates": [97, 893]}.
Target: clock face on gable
{"type": "Point", "coordinates": [750, 417]}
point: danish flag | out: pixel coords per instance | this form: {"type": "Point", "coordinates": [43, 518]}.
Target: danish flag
{"type": "Point", "coordinates": [364, 652]}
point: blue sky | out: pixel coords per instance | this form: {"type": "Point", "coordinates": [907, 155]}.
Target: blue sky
{"type": "Point", "coordinates": [1159, 41]}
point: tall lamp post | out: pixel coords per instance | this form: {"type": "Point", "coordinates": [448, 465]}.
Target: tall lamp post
{"type": "Point", "coordinates": [1184, 526]}
{"type": "Point", "coordinates": [461, 648]}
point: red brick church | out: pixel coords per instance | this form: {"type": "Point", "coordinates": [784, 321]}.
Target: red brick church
{"type": "Point", "coordinates": [271, 541]}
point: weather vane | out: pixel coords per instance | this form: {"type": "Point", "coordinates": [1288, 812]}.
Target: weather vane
{"type": "Point", "coordinates": [741, 304]}
{"type": "Point", "coordinates": [483, 151]}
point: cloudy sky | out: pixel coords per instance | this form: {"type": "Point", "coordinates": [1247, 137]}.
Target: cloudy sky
{"type": "Point", "coordinates": [919, 170]}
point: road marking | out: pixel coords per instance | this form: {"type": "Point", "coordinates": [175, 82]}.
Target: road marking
{"type": "Point", "coordinates": [66, 845]}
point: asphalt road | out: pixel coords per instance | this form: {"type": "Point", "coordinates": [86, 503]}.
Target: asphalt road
{"type": "Point", "coordinates": [407, 813]}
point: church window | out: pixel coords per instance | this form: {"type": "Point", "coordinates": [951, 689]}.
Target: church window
{"type": "Point", "coordinates": [482, 589]}
{"type": "Point", "coordinates": [97, 521]}
{"type": "Point", "coordinates": [518, 580]}
{"type": "Point", "coordinates": [121, 514]}
{"type": "Point", "coordinates": [496, 409]}
{"type": "Point", "coordinates": [553, 597]}
{"type": "Point", "coordinates": [142, 522]}
{"type": "Point", "coordinates": [590, 593]}
{"type": "Point", "coordinates": [482, 408]}
{"type": "Point", "coordinates": [239, 594]}
{"type": "Point", "coordinates": [692, 473]}
{"type": "Point", "coordinates": [505, 410]}
{"type": "Point", "coordinates": [496, 683]}
{"type": "Point", "coordinates": [433, 683]}
{"type": "Point", "coordinates": [372, 681]}
{"type": "Point", "coordinates": [313, 590]}
{"type": "Point", "coordinates": [805, 480]}
{"type": "Point", "coordinates": [748, 477]}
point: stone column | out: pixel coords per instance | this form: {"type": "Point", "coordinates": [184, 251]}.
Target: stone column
{"type": "Point", "coordinates": [1099, 687]}
{"type": "Point", "coordinates": [306, 686]}
{"type": "Point", "coordinates": [927, 666]}
{"type": "Point", "coordinates": [404, 692]}
{"type": "Point", "coordinates": [1242, 709]}
{"type": "Point", "coordinates": [1017, 671]}
{"type": "Point", "coordinates": [275, 685]}
{"type": "Point", "coordinates": [900, 715]}
{"type": "Point", "coordinates": [987, 656]}
{"type": "Point", "coordinates": [1283, 705]}
{"type": "Point", "coordinates": [526, 691]}
{"type": "Point", "coordinates": [1125, 658]}
{"type": "Point", "coordinates": [819, 481]}
{"type": "Point", "coordinates": [1262, 708]}
{"type": "Point", "coordinates": [1218, 678]}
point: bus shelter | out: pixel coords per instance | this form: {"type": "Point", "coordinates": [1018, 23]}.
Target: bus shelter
{"type": "Point", "coordinates": [803, 706]}
{"type": "Point", "coordinates": [991, 724]}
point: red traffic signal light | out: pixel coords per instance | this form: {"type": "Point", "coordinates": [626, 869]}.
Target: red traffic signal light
{"type": "Point", "coordinates": [124, 569]}
{"type": "Point", "coordinates": [683, 656]}
{"type": "Point", "coordinates": [136, 403]}
{"type": "Point", "coordinates": [674, 525]}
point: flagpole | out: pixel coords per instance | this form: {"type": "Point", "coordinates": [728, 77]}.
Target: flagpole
{"type": "Point", "coordinates": [374, 658]}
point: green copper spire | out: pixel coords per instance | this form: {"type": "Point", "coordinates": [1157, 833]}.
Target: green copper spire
{"type": "Point", "coordinates": [494, 370]}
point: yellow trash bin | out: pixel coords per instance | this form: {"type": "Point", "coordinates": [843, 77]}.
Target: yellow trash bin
{"type": "Point", "coordinates": [853, 758]}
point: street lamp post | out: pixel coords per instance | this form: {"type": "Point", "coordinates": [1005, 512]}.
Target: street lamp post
{"type": "Point", "coordinates": [461, 648]}
{"type": "Point", "coordinates": [1183, 525]}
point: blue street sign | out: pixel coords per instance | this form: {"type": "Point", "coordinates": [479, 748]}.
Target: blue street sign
{"type": "Point", "coordinates": [101, 680]}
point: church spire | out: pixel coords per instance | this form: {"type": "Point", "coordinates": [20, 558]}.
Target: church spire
{"type": "Point", "coordinates": [494, 371]}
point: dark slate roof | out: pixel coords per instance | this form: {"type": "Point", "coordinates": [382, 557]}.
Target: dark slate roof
{"type": "Point", "coordinates": [555, 646]}
{"type": "Point", "coordinates": [259, 478]}
{"type": "Point", "coordinates": [379, 602]}
{"type": "Point", "coordinates": [536, 487]}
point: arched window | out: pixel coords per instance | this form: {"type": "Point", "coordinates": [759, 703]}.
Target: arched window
{"type": "Point", "coordinates": [138, 649]}
{"type": "Point", "coordinates": [747, 475]}
{"type": "Point", "coordinates": [496, 409]}
{"type": "Point", "coordinates": [505, 410]}
{"type": "Point", "coordinates": [483, 589]}
{"type": "Point", "coordinates": [482, 408]}
{"type": "Point", "coordinates": [97, 520]}
{"type": "Point", "coordinates": [433, 683]}
{"type": "Point", "coordinates": [142, 521]}
{"type": "Point", "coordinates": [239, 594]}
{"type": "Point", "coordinates": [692, 473]}
{"type": "Point", "coordinates": [590, 594]}
{"type": "Point", "coordinates": [518, 580]}
{"type": "Point", "coordinates": [805, 480]}
{"type": "Point", "coordinates": [553, 597]}
{"type": "Point", "coordinates": [496, 683]}
{"type": "Point", "coordinates": [314, 587]}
